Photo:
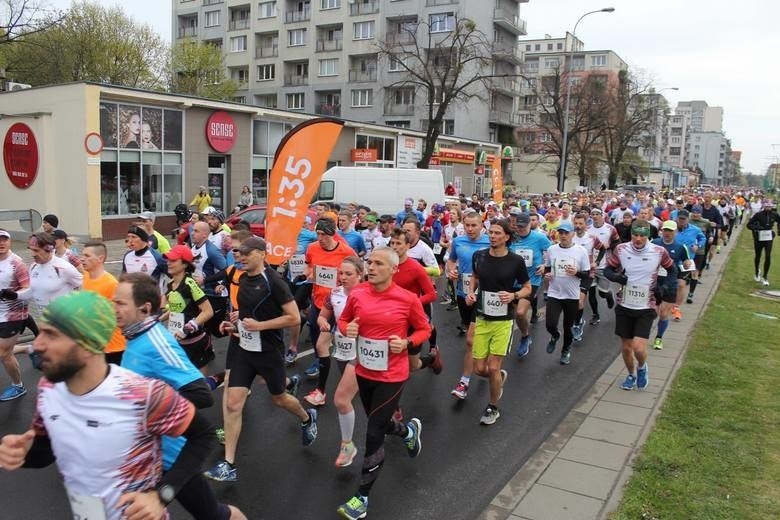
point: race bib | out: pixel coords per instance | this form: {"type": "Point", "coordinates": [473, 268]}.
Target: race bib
{"type": "Point", "coordinates": [85, 507]}
{"type": "Point", "coordinates": [765, 235]}
{"type": "Point", "coordinates": [176, 322]}
{"type": "Point", "coordinates": [436, 249]}
{"type": "Point", "coordinates": [635, 295]}
{"type": "Point", "coordinates": [527, 255]}
{"type": "Point", "coordinates": [373, 353]}
{"type": "Point", "coordinates": [249, 339]}
{"type": "Point", "coordinates": [562, 265]}
{"type": "Point", "coordinates": [465, 280]}
{"type": "Point", "coordinates": [345, 347]}
{"type": "Point", "coordinates": [691, 266]}
{"type": "Point", "coordinates": [325, 276]}
{"type": "Point", "coordinates": [662, 272]}
{"type": "Point", "coordinates": [297, 265]}
{"type": "Point", "coordinates": [492, 304]}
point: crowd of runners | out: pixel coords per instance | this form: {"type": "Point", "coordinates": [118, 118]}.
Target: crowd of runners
{"type": "Point", "coordinates": [128, 363]}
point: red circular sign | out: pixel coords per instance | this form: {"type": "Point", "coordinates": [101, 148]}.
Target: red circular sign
{"type": "Point", "coordinates": [20, 155]}
{"type": "Point", "coordinates": [221, 131]}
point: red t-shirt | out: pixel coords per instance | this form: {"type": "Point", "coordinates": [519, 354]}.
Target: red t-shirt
{"type": "Point", "coordinates": [394, 311]}
{"type": "Point", "coordinates": [412, 277]}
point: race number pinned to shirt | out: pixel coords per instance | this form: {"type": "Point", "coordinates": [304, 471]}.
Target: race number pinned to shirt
{"type": "Point", "coordinates": [662, 272]}
{"type": "Point", "coordinates": [492, 304]}
{"type": "Point", "coordinates": [526, 254]}
{"type": "Point", "coordinates": [345, 347]}
{"type": "Point", "coordinates": [765, 235]}
{"type": "Point", "coordinates": [636, 295]}
{"type": "Point", "coordinates": [373, 353]}
{"type": "Point", "coordinates": [436, 249]}
{"type": "Point", "coordinates": [325, 276]}
{"type": "Point", "coordinates": [297, 265]}
{"type": "Point", "coordinates": [465, 280]}
{"type": "Point", "coordinates": [85, 507]}
{"type": "Point", "coordinates": [176, 322]}
{"type": "Point", "coordinates": [249, 339]}
{"type": "Point", "coordinates": [562, 264]}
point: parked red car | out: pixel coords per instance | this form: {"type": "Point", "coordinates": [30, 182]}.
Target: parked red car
{"type": "Point", "coordinates": [255, 215]}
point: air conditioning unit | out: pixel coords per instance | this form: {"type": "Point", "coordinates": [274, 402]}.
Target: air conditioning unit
{"type": "Point", "coordinates": [11, 85]}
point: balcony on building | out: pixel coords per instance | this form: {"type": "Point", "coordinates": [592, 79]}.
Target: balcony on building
{"type": "Point", "coordinates": [504, 117]}
{"type": "Point", "coordinates": [401, 31]}
{"type": "Point", "coordinates": [188, 26]}
{"type": "Point", "coordinates": [508, 52]}
{"type": "Point", "coordinates": [507, 19]}
{"type": "Point", "coordinates": [300, 13]}
{"type": "Point", "coordinates": [267, 45]}
{"type": "Point", "coordinates": [296, 73]}
{"type": "Point", "coordinates": [213, 2]}
{"type": "Point", "coordinates": [362, 68]}
{"type": "Point", "coordinates": [434, 3]}
{"type": "Point", "coordinates": [360, 7]}
{"type": "Point", "coordinates": [330, 38]}
{"type": "Point", "coordinates": [328, 103]}
{"type": "Point", "coordinates": [399, 109]}
{"type": "Point", "coordinates": [507, 85]}
{"type": "Point", "coordinates": [238, 18]}
{"type": "Point", "coordinates": [362, 75]}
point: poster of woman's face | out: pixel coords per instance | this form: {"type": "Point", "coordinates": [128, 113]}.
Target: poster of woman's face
{"type": "Point", "coordinates": [172, 123]}
{"type": "Point", "coordinates": [129, 127]}
{"type": "Point", "coordinates": [151, 129]}
{"type": "Point", "coordinates": [108, 124]}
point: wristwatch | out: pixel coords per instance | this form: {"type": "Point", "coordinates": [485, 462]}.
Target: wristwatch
{"type": "Point", "coordinates": [166, 493]}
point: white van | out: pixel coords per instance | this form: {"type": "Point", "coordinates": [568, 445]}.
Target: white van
{"type": "Point", "coordinates": [381, 189]}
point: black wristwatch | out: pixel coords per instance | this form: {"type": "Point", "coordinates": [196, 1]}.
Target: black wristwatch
{"type": "Point", "coordinates": [166, 493]}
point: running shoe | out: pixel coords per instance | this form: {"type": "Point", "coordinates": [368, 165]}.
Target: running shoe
{"type": "Point", "coordinates": [610, 299]}
{"type": "Point", "coordinates": [658, 344]}
{"type": "Point", "coordinates": [436, 365]}
{"type": "Point", "coordinates": [309, 428]}
{"type": "Point", "coordinates": [13, 392]}
{"type": "Point", "coordinates": [524, 347]}
{"type": "Point", "coordinates": [490, 416]}
{"type": "Point", "coordinates": [461, 330]}
{"type": "Point", "coordinates": [551, 345]}
{"type": "Point", "coordinates": [216, 380]}
{"type": "Point", "coordinates": [220, 432]}
{"type": "Point", "coordinates": [756, 278]}
{"type": "Point", "coordinates": [315, 397]}
{"type": "Point", "coordinates": [629, 383]}
{"type": "Point", "coordinates": [445, 300]}
{"type": "Point", "coordinates": [222, 472]}
{"type": "Point", "coordinates": [717, 250]}
{"type": "Point", "coordinates": [595, 320]}
{"type": "Point", "coordinates": [346, 454]}
{"type": "Point", "coordinates": [452, 306]}
{"type": "Point", "coordinates": [290, 357]}
{"type": "Point", "coordinates": [313, 372]}
{"type": "Point", "coordinates": [295, 382]}
{"type": "Point", "coordinates": [504, 375]}
{"type": "Point", "coordinates": [354, 509]}
{"type": "Point", "coordinates": [461, 390]}
{"type": "Point", "coordinates": [689, 299]}
{"type": "Point", "coordinates": [413, 441]}
{"type": "Point", "coordinates": [576, 331]}
{"type": "Point", "coordinates": [641, 378]}
{"type": "Point", "coordinates": [765, 282]}
{"type": "Point", "coordinates": [565, 357]}
{"type": "Point", "coordinates": [676, 313]}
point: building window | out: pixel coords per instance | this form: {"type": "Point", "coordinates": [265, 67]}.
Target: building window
{"type": "Point", "coordinates": [266, 72]}
{"type": "Point", "coordinates": [396, 64]}
{"type": "Point", "coordinates": [399, 124]}
{"type": "Point", "coordinates": [238, 44]}
{"type": "Point", "coordinates": [295, 101]}
{"type": "Point", "coordinates": [362, 98]}
{"type": "Point", "coordinates": [442, 22]}
{"type": "Point", "coordinates": [545, 137]}
{"type": "Point", "coordinates": [266, 100]}
{"type": "Point", "coordinates": [403, 96]}
{"type": "Point", "coordinates": [329, 67]}
{"type": "Point", "coordinates": [212, 18]}
{"type": "Point", "coordinates": [384, 146]}
{"type": "Point", "coordinates": [537, 47]}
{"type": "Point", "coordinates": [330, 4]}
{"type": "Point", "coordinates": [266, 9]}
{"type": "Point", "coordinates": [296, 37]}
{"type": "Point", "coordinates": [527, 48]}
{"type": "Point", "coordinates": [551, 63]}
{"type": "Point", "coordinates": [363, 30]}
{"type": "Point", "coordinates": [549, 46]}
{"type": "Point", "coordinates": [559, 46]}
{"type": "Point", "coordinates": [599, 60]}
{"type": "Point", "coordinates": [240, 75]}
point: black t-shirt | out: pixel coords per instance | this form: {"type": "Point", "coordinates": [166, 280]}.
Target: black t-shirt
{"type": "Point", "coordinates": [498, 273]}
{"type": "Point", "coordinates": [261, 297]}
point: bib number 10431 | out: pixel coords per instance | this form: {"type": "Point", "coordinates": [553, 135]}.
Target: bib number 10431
{"type": "Point", "coordinates": [373, 353]}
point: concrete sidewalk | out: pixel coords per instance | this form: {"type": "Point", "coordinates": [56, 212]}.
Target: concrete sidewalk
{"type": "Point", "coordinates": [579, 472]}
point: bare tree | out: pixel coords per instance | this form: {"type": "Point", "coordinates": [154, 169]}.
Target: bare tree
{"type": "Point", "coordinates": [451, 66]}
{"type": "Point", "coordinates": [21, 18]}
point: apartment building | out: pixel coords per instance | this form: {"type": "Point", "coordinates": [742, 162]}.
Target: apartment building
{"type": "Point", "coordinates": [321, 56]}
{"type": "Point", "coordinates": [677, 135]}
{"type": "Point", "coordinates": [711, 153]}
{"type": "Point", "coordinates": [703, 117]}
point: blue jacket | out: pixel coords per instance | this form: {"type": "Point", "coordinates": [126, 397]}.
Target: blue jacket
{"type": "Point", "coordinates": [403, 214]}
{"type": "Point", "coordinates": [215, 262]}
{"type": "Point", "coordinates": [691, 236]}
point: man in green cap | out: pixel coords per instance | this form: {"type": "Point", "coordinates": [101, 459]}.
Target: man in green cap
{"type": "Point", "coordinates": [102, 417]}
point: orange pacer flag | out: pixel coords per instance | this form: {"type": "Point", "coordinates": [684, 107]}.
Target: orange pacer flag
{"type": "Point", "coordinates": [299, 163]}
{"type": "Point", "coordinates": [497, 179]}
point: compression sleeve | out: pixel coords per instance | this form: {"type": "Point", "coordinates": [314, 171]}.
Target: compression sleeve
{"type": "Point", "coordinates": [201, 439]}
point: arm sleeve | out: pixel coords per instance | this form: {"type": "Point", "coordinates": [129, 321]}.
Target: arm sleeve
{"type": "Point", "coordinates": [198, 393]}
{"type": "Point", "coordinates": [220, 275]}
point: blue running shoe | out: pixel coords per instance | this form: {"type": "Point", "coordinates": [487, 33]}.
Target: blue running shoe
{"type": "Point", "coordinates": [629, 383]}
{"type": "Point", "coordinates": [13, 392]}
{"type": "Point", "coordinates": [295, 382]}
{"type": "Point", "coordinates": [413, 441]}
{"type": "Point", "coordinates": [641, 378]}
{"type": "Point", "coordinates": [524, 347]}
{"type": "Point", "coordinates": [354, 509]}
{"type": "Point", "coordinates": [313, 372]}
{"type": "Point", "coordinates": [290, 357]}
{"type": "Point", "coordinates": [551, 345]}
{"type": "Point", "coordinates": [309, 429]}
{"type": "Point", "coordinates": [222, 472]}
{"type": "Point", "coordinates": [565, 357]}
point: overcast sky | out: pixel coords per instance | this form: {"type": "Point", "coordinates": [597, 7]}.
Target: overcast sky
{"type": "Point", "coordinates": [721, 51]}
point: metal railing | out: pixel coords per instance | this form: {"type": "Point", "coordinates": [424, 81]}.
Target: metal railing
{"type": "Point", "coordinates": [188, 32]}
{"type": "Point", "coordinates": [213, 2]}
{"type": "Point", "coordinates": [267, 51]}
{"type": "Point", "coordinates": [328, 109]}
{"type": "Point", "coordinates": [330, 45]}
{"type": "Point", "coordinates": [393, 109]}
{"type": "Point", "coordinates": [509, 20]}
{"type": "Point", "coordinates": [293, 80]}
{"type": "Point", "coordinates": [508, 50]}
{"type": "Point", "coordinates": [399, 38]}
{"type": "Point", "coordinates": [237, 25]}
{"type": "Point", "coordinates": [363, 8]}
{"type": "Point", "coordinates": [362, 75]}
{"type": "Point", "coordinates": [297, 16]}
{"type": "Point", "coordinates": [433, 3]}
{"type": "Point", "coordinates": [504, 117]}
{"type": "Point", "coordinates": [506, 84]}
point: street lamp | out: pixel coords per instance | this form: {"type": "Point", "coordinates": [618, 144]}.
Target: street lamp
{"type": "Point", "coordinates": [564, 147]}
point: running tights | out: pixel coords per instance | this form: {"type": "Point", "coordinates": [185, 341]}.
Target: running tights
{"type": "Point", "coordinates": [554, 309]}
{"type": "Point", "coordinates": [766, 247]}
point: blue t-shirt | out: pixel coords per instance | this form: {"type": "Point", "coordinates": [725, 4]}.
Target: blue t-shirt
{"type": "Point", "coordinates": [156, 354]}
{"type": "Point", "coordinates": [355, 241]}
{"type": "Point", "coordinates": [677, 250]}
{"type": "Point", "coordinates": [461, 251]}
{"type": "Point", "coordinates": [537, 242]}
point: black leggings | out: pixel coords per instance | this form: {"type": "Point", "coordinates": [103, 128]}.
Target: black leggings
{"type": "Point", "coordinates": [765, 246]}
{"type": "Point", "coordinates": [380, 400]}
{"type": "Point", "coordinates": [554, 309]}
{"type": "Point", "coordinates": [198, 499]}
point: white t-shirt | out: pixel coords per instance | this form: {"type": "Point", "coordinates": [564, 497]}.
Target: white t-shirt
{"type": "Point", "coordinates": [564, 286]}
{"type": "Point", "coordinates": [52, 279]}
{"type": "Point", "coordinates": [420, 251]}
{"type": "Point", "coordinates": [13, 274]}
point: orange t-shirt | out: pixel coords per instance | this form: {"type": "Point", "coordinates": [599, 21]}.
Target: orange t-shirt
{"type": "Point", "coordinates": [106, 287]}
{"type": "Point", "coordinates": [325, 265]}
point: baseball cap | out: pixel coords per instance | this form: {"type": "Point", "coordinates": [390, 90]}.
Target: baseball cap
{"type": "Point", "coordinates": [371, 218]}
{"type": "Point", "coordinates": [210, 210]}
{"type": "Point", "coordinates": [4, 233]}
{"type": "Point", "coordinates": [251, 244]}
{"type": "Point", "coordinates": [180, 252]}
{"type": "Point", "coordinates": [565, 226]}
{"type": "Point", "coordinates": [669, 224]}
{"type": "Point", "coordinates": [683, 213]}
{"type": "Point", "coordinates": [146, 215]}
{"type": "Point", "coordinates": [696, 208]}
{"type": "Point", "coordinates": [59, 233]}
{"type": "Point", "coordinates": [523, 219]}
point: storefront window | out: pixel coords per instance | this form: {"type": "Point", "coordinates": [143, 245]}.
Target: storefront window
{"type": "Point", "coordinates": [266, 136]}
{"type": "Point", "coordinates": [260, 172]}
{"type": "Point", "coordinates": [135, 174]}
{"type": "Point", "coordinates": [384, 146]}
